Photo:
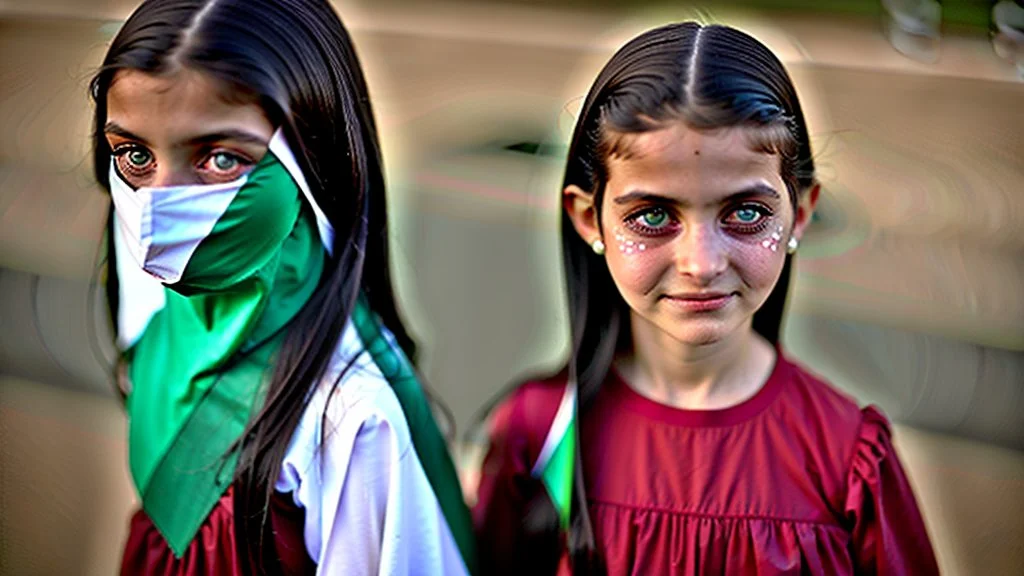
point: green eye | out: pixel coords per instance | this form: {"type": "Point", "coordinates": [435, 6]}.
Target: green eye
{"type": "Point", "coordinates": [224, 162]}
{"type": "Point", "coordinates": [651, 222]}
{"type": "Point", "coordinates": [747, 215]}
{"type": "Point", "coordinates": [654, 218]}
{"type": "Point", "coordinates": [138, 158]}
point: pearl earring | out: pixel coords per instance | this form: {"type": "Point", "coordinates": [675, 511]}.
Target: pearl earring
{"type": "Point", "coordinates": [598, 247]}
{"type": "Point", "coordinates": [792, 245]}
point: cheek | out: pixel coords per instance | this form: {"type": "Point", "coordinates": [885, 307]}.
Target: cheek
{"type": "Point", "coordinates": [636, 263]}
{"type": "Point", "coordinates": [759, 259]}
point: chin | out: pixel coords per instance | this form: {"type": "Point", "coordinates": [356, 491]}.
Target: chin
{"type": "Point", "coordinates": [698, 332]}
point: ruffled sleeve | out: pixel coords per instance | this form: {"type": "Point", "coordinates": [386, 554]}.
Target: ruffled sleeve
{"type": "Point", "coordinates": [889, 535]}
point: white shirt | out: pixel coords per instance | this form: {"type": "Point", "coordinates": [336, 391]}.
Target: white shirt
{"type": "Point", "coordinates": [369, 508]}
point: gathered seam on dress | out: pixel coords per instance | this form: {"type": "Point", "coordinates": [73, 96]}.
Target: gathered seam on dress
{"type": "Point", "coordinates": [824, 523]}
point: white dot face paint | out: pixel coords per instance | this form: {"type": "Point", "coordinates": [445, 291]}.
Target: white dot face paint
{"type": "Point", "coordinates": [625, 246]}
{"type": "Point", "coordinates": [772, 243]}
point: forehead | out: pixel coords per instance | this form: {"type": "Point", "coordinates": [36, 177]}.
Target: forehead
{"type": "Point", "coordinates": [680, 161]}
{"type": "Point", "coordinates": [169, 107]}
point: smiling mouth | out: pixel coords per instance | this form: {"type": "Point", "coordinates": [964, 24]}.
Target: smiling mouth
{"type": "Point", "coordinates": [700, 301]}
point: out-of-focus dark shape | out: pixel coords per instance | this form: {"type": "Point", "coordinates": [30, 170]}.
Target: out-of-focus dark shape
{"type": "Point", "coordinates": [935, 382]}
{"type": "Point", "coordinates": [913, 27]}
{"type": "Point", "coordinates": [1008, 32]}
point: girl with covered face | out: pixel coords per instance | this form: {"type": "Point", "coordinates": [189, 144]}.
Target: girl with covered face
{"type": "Point", "coordinates": [275, 423]}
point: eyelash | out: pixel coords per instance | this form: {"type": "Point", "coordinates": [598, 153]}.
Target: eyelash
{"type": "Point", "coordinates": [632, 221]}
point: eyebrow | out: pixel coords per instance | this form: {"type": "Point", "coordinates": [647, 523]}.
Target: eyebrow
{"type": "Point", "coordinates": [758, 189]}
{"type": "Point", "coordinates": [239, 135]}
{"type": "Point", "coordinates": [117, 130]}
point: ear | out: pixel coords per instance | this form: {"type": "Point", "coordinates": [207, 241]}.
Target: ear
{"type": "Point", "coordinates": [804, 210]}
{"type": "Point", "coordinates": [579, 205]}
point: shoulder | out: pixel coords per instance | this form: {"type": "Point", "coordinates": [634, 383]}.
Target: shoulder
{"type": "Point", "coordinates": [521, 420]}
{"type": "Point", "coordinates": [352, 405]}
{"type": "Point", "coordinates": [354, 393]}
{"type": "Point", "coordinates": [825, 420]}
{"type": "Point", "coordinates": [819, 401]}
{"type": "Point", "coordinates": [533, 401]}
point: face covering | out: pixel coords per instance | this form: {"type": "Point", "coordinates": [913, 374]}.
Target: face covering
{"type": "Point", "coordinates": [207, 237]}
{"type": "Point", "coordinates": [210, 277]}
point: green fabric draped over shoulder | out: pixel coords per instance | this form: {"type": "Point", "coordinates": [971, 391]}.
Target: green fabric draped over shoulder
{"type": "Point", "coordinates": [427, 440]}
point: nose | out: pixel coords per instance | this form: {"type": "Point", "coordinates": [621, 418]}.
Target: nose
{"type": "Point", "coordinates": [701, 255]}
{"type": "Point", "coordinates": [173, 174]}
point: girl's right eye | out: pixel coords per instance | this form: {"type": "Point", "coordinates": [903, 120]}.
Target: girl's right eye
{"type": "Point", "coordinates": [138, 157]}
{"type": "Point", "coordinates": [133, 159]}
{"type": "Point", "coordinates": [652, 221]}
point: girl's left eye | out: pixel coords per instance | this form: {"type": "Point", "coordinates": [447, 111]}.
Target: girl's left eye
{"type": "Point", "coordinates": [224, 162]}
{"type": "Point", "coordinates": [747, 217]}
{"type": "Point", "coordinates": [223, 167]}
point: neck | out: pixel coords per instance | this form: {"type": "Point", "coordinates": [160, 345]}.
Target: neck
{"type": "Point", "coordinates": [709, 376]}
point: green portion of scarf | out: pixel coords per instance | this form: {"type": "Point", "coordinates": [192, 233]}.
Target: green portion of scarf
{"type": "Point", "coordinates": [198, 369]}
{"type": "Point", "coordinates": [558, 475]}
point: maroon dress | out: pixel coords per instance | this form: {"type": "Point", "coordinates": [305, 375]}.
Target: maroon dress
{"type": "Point", "coordinates": [213, 551]}
{"type": "Point", "coordinates": [795, 480]}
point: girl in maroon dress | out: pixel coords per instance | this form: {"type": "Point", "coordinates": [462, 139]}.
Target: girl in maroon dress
{"type": "Point", "coordinates": [679, 438]}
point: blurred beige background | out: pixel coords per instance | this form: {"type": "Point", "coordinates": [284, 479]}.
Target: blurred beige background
{"type": "Point", "coordinates": [909, 287]}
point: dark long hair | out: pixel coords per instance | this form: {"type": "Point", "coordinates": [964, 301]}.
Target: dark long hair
{"type": "Point", "coordinates": [707, 77]}
{"type": "Point", "coordinates": [294, 58]}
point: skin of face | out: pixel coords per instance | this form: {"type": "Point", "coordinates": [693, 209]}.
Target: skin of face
{"type": "Point", "coordinates": [689, 218]}
{"type": "Point", "coordinates": [179, 129]}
